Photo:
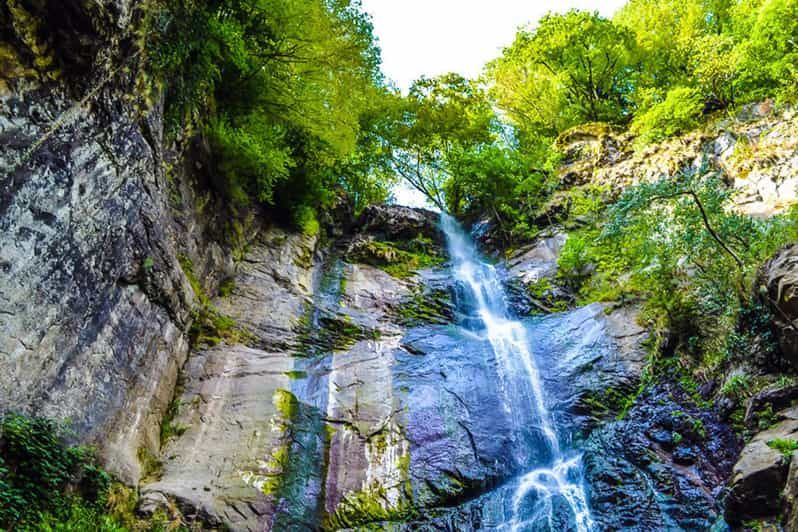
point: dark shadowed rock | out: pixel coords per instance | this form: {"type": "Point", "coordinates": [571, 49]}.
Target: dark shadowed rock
{"type": "Point", "coordinates": [662, 467]}
{"type": "Point", "coordinates": [396, 223]}
{"type": "Point", "coordinates": [776, 399]}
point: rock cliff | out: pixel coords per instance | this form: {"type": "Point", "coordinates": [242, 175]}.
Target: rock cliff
{"type": "Point", "coordinates": [261, 379]}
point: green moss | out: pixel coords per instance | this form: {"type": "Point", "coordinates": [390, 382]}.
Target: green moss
{"type": "Point", "coordinates": [285, 402]}
{"type": "Point", "coordinates": [542, 290]}
{"type": "Point", "coordinates": [169, 427]}
{"type": "Point", "coordinates": [400, 262]}
{"type": "Point", "coordinates": [28, 30]}
{"type": "Point", "coordinates": [210, 326]}
{"type": "Point", "coordinates": [765, 418]}
{"type": "Point", "coordinates": [359, 509]}
{"type": "Point", "coordinates": [188, 269]}
{"type": "Point", "coordinates": [296, 375]}
{"type": "Point", "coordinates": [425, 306]}
{"type": "Point", "coordinates": [608, 402]}
{"type": "Point", "coordinates": [151, 466]}
{"type": "Point", "coordinates": [226, 287]}
{"type": "Point", "coordinates": [325, 332]}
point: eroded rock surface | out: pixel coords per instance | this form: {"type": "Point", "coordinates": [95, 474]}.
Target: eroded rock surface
{"type": "Point", "coordinates": [778, 285]}
{"type": "Point", "coordinates": [93, 301]}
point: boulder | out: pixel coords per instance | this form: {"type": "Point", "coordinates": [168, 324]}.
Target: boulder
{"type": "Point", "coordinates": [532, 276]}
{"type": "Point", "coordinates": [778, 287]}
{"type": "Point", "coordinates": [760, 474]}
{"type": "Point", "coordinates": [398, 223]}
{"type": "Point", "coordinates": [791, 495]}
{"type": "Point", "coordinates": [776, 398]}
{"type": "Point", "coordinates": [538, 261]}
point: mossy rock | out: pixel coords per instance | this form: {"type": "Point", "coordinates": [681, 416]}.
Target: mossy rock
{"type": "Point", "coordinates": [426, 306]}
{"type": "Point", "coordinates": [400, 260]}
{"type": "Point", "coordinates": [322, 332]}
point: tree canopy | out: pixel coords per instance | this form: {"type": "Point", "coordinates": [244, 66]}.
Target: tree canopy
{"type": "Point", "coordinates": [291, 100]}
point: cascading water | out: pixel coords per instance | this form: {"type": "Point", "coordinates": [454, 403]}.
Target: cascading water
{"type": "Point", "coordinates": [561, 477]}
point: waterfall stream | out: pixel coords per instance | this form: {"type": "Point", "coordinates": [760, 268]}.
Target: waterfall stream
{"type": "Point", "coordinates": [538, 493]}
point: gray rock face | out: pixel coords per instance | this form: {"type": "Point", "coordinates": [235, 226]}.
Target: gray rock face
{"type": "Point", "coordinates": [778, 282]}
{"type": "Point", "coordinates": [233, 406]}
{"type": "Point", "coordinates": [538, 261]}
{"type": "Point", "coordinates": [760, 474]}
{"type": "Point", "coordinates": [91, 293]}
{"type": "Point", "coordinates": [93, 301]}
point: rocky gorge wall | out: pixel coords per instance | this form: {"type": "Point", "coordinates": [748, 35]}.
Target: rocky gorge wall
{"type": "Point", "coordinates": [346, 395]}
{"type": "Point", "coordinates": [94, 304]}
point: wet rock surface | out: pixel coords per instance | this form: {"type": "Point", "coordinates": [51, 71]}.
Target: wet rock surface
{"type": "Point", "coordinates": [662, 467]}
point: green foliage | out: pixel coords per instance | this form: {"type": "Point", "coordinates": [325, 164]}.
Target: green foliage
{"type": "Point", "coordinates": [768, 31]}
{"type": "Point", "coordinates": [677, 245]}
{"type": "Point", "coordinates": [226, 287]}
{"type": "Point", "coordinates": [279, 88]}
{"type": "Point", "coordinates": [439, 123]}
{"type": "Point", "coordinates": [500, 181]}
{"type": "Point", "coordinates": [169, 427]}
{"type": "Point", "coordinates": [306, 221]}
{"type": "Point", "coordinates": [78, 517]}
{"type": "Point", "coordinates": [737, 386]}
{"type": "Point", "coordinates": [571, 68]}
{"type": "Point", "coordinates": [784, 446]}
{"type": "Point", "coordinates": [679, 112]}
{"type": "Point", "coordinates": [41, 473]}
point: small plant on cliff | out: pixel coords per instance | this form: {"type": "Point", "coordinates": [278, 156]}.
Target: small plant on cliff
{"type": "Point", "coordinates": [784, 446]}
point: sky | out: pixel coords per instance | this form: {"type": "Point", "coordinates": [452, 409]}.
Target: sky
{"type": "Point", "coordinates": [431, 37]}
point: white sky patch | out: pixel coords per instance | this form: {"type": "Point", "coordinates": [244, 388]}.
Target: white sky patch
{"type": "Point", "coordinates": [404, 194]}
{"type": "Point", "coordinates": [432, 37]}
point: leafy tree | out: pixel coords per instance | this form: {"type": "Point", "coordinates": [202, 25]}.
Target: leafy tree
{"type": "Point", "coordinates": [715, 69]}
{"type": "Point", "coordinates": [571, 68]}
{"type": "Point", "coordinates": [677, 245]}
{"type": "Point", "coordinates": [439, 122]}
{"type": "Point", "coordinates": [768, 31]}
{"type": "Point", "coordinates": [277, 86]}
{"type": "Point", "coordinates": [498, 181]}
{"type": "Point", "coordinates": [665, 32]}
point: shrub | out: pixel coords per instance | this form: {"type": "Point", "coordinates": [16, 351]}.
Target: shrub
{"type": "Point", "coordinates": [679, 112]}
{"type": "Point", "coordinates": [38, 468]}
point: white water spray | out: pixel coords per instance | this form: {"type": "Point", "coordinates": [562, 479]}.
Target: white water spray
{"type": "Point", "coordinates": [507, 337]}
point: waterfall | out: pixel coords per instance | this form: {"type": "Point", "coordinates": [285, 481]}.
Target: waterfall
{"type": "Point", "coordinates": [561, 476]}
